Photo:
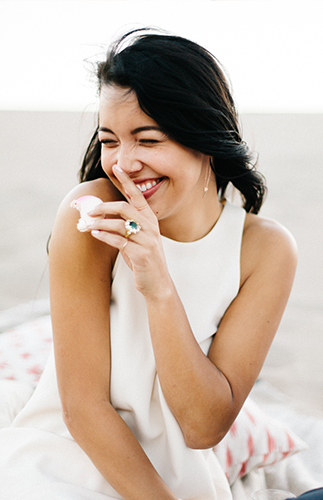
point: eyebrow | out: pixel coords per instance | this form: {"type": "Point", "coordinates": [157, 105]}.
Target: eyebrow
{"type": "Point", "coordinates": [135, 131]}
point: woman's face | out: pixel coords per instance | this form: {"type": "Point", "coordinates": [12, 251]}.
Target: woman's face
{"type": "Point", "coordinates": [170, 176]}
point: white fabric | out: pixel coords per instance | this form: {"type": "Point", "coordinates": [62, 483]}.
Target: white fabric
{"type": "Point", "coordinates": [297, 474]}
{"type": "Point", "coordinates": [39, 458]}
{"type": "Point", "coordinates": [13, 396]}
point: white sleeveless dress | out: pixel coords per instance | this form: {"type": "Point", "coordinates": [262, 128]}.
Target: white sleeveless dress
{"type": "Point", "coordinates": [39, 460]}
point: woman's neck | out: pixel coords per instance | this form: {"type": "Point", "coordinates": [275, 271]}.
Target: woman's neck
{"type": "Point", "coordinates": [195, 225]}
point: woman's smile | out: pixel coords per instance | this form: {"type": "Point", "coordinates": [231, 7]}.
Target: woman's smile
{"type": "Point", "coordinates": [170, 176]}
{"type": "Point", "coordinates": [148, 188]}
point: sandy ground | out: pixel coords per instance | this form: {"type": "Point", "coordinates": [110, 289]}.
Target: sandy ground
{"type": "Point", "coordinates": [40, 156]}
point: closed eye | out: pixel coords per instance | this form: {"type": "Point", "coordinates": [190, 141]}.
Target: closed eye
{"type": "Point", "coordinates": [108, 142]}
{"type": "Point", "coordinates": [148, 141]}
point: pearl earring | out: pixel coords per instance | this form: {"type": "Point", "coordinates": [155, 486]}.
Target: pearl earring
{"type": "Point", "coordinates": [207, 180]}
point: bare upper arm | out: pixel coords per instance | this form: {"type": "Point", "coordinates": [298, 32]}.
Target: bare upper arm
{"type": "Point", "coordinates": [80, 278]}
{"type": "Point", "coordinates": [268, 263]}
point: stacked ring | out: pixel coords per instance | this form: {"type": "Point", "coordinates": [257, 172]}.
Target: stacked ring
{"type": "Point", "coordinates": [142, 208]}
{"type": "Point", "coordinates": [124, 246]}
{"type": "Point", "coordinates": [132, 227]}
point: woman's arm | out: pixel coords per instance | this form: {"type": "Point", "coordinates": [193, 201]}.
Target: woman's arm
{"type": "Point", "coordinates": [80, 279]}
{"type": "Point", "coordinates": [205, 393]}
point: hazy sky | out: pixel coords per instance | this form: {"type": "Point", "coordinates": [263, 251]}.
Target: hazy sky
{"type": "Point", "coordinates": [271, 49]}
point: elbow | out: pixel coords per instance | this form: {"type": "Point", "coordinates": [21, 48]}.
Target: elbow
{"type": "Point", "coordinates": [79, 418]}
{"type": "Point", "coordinates": [69, 419]}
{"type": "Point", "coordinates": [204, 436]}
{"type": "Point", "coordinates": [72, 417]}
{"type": "Point", "coordinates": [208, 428]}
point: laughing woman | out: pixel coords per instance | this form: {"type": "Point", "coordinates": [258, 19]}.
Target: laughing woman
{"type": "Point", "coordinates": [164, 306]}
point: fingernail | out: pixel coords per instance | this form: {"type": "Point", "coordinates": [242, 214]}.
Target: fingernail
{"type": "Point", "coordinates": [95, 232]}
{"type": "Point", "coordinates": [117, 167]}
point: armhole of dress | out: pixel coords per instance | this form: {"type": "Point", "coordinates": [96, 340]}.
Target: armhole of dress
{"type": "Point", "coordinates": [115, 266]}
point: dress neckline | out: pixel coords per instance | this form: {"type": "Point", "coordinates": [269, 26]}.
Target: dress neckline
{"type": "Point", "coordinates": [214, 228]}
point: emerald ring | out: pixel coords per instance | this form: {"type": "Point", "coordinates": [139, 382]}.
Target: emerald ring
{"type": "Point", "coordinates": [132, 227]}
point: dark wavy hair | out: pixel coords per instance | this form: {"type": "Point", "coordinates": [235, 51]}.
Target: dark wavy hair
{"type": "Point", "coordinates": [183, 88]}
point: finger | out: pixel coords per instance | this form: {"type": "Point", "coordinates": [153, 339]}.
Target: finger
{"type": "Point", "coordinates": [121, 210]}
{"type": "Point", "coordinates": [134, 194]}
{"type": "Point", "coordinates": [116, 226]}
{"type": "Point", "coordinates": [120, 227]}
{"type": "Point", "coordinates": [143, 208]}
{"type": "Point", "coordinates": [116, 241]}
{"type": "Point", "coordinates": [113, 209]}
{"type": "Point", "coordinates": [112, 239]}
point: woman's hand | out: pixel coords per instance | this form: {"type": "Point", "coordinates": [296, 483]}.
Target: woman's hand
{"type": "Point", "coordinates": [143, 251]}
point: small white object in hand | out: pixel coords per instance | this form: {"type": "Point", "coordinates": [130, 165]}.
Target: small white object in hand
{"type": "Point", "coordinates": [84, 205]}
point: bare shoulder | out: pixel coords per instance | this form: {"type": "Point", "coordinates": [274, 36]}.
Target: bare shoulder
{"type": "Point", "coordinates": [266, 244]}
{"type": "Point", "coordinates": [65, 234]}
{"type": "Point", "coordinates": [102, 188]}
{"type": "Point", "coordinates": [266, 231]}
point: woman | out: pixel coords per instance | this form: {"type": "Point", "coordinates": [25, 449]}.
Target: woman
{"type": "Point", "coordinates": [164, 309]}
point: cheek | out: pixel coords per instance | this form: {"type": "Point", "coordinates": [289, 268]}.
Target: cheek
{"type": "Point", "coordinates": [188, 169]}
{"type": "Point", "coordinates": [107, 161]}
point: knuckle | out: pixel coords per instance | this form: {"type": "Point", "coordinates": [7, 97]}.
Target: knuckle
{"type": "Point", "coordinates": [123, 205]}
{"type": "Point", "coordinates": [100, 224]}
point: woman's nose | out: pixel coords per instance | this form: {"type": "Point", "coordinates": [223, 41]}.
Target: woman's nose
{"type": "Point", "coordinates": [127, 160]}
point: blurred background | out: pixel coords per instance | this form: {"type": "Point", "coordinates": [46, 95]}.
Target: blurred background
{"type": "Point", "coordinates": [272, 51]}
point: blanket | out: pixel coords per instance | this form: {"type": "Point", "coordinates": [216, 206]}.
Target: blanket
{"type": "Point", "coordinates": [271, 444]}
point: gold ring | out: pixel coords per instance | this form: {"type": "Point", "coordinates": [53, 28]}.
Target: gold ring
{"type": "Point", "coordinates": [142, 208]}
{"type": "Point", "coordinates": [132, 227]}
{"type": "Point", "coordinates": [124, 246]}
